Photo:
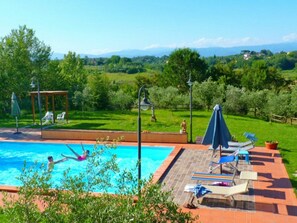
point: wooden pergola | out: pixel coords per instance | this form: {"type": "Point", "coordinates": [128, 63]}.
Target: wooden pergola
{"type": "Point", "coordinates": [48, 94]}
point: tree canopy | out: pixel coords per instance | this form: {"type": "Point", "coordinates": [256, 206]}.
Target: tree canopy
{"type": "Point", "coordinates": [182, 64]}
{"type": "Point", "coordinates": [22, 56]}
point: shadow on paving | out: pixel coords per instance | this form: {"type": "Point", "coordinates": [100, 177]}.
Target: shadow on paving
{"type": "Point", "coordinates": [226, 204]}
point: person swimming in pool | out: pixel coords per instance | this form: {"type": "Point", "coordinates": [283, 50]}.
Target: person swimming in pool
{"type": "Point", "coordinates": [51, 163]}
{"type": "Point", "coordinates": [78, 157]}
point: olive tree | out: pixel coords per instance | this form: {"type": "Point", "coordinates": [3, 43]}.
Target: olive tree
{"type": "Point", "coordinates": [168, 98]}
{"type": "Point", "coordinates": [256, 101]}
{"type": "Point", "coordinates": [279, 104]}
{"type": "Point", "coordinates": [234, 102]}
{"type": "Point", "coordinates": [209, 93]}
{"type": "Point", "coordinates": [293, 101]}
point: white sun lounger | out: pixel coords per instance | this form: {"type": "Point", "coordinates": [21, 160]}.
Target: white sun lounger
{"type": "Point", "coordinates": [235, 148]}
{"type": "Point", "coordinates": [226, 192]}
{"type": "Point", "coordinates": [227, 178]}
{"type": "Point", "coordinates": [240, 144]}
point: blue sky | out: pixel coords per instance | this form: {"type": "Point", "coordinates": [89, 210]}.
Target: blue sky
{"type": "Point", "coordinates": [99, 26]}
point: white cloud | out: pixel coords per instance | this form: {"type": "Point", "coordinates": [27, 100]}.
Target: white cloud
{"type": "Point", "coordinates": [224, 42]}
{"type": "Point", "coordinates": [290, 37]}
{"type": "Point", "coordinates": [212, 42]}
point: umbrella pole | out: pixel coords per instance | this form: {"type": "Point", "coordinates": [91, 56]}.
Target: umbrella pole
{"type": "Point", "coordinates": [221, 169]}
{"type": "Point", "coordinates": [16, 123]}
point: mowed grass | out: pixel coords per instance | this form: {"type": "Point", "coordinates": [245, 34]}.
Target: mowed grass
{"type": "Point", "coordinates": [169, 121]}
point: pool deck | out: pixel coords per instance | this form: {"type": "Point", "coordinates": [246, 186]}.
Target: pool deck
{"type": "Point", "coordinates": [270, 199]}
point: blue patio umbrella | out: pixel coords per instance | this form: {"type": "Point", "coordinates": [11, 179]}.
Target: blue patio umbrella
{"type": "Point", "coordinates": [15, 110]}
{"type": "Point", "coordinates": [217, 133]}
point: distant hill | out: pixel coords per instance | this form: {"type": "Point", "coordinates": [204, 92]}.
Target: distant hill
{"type": "Point", "coordinates": [205, 52]}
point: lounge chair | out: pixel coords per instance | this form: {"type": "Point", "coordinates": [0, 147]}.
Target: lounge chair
{"type": "Point", "coordinates": [250, 144]}
{"type": "Point", "coordinates": [229, 161]}
{"type": "Point", "coordinates": [240, 144]}
{"type": "Point", "coordinates": [49, 117]}
{"type": "Point", "coordinates": [251, 136]}
{"type": "Point", "coordinates": [235, 148]}
{"type": "Point", "coordinates": [61, 117]}
{"type": "Point", "coordinates": [224, 179]}
{"type": "Point", "coordinates": [227, 192]}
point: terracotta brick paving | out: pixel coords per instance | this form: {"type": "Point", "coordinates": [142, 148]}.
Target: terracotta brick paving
{"type": "Point", "coordinates": [191, 160]}
{"type": "Point", "coordinates": [271, 198]}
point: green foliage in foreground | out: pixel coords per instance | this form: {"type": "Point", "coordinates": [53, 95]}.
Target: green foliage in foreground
{"type": "Point", "coordinates": [73, 201]}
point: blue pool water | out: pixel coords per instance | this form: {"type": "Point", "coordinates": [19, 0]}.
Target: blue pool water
{"type": "Point", "coordinates": [13, 155]}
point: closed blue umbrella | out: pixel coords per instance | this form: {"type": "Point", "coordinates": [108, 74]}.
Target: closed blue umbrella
{"type": "Point", "coordinates": [217, 133]}
{"type": "Point", "coordinates": [15, 110]}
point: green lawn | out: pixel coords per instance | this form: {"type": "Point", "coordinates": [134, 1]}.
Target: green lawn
{"type": "Point", "coordinates": [169, 121]}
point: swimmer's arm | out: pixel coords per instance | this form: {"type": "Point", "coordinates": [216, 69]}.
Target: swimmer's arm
{"type": "Point", "coordinates": [82, 147]}
{"type": "Point", "coordinates": [68, 146]}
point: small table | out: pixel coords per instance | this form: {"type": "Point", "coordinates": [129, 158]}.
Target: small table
{"type": "Point", "coordinates": [245, 154]}
{"type": "Point", "coordinates": [248, 175]}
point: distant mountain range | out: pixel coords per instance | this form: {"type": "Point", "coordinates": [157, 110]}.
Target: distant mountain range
{"type": "Point", "coordinates": [204, 52]}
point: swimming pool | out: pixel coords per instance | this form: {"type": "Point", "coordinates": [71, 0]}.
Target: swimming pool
{"type": "Point", "coordinates": [13, 155]}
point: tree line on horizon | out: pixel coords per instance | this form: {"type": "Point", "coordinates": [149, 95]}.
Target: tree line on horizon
{"type": "Point", "coordinates": [256, 75]}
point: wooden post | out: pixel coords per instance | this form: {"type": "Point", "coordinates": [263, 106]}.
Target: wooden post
{"type": "Point", "coordinates": [53, 106]}
{"type": "Point", "coordinates": [66, 96]}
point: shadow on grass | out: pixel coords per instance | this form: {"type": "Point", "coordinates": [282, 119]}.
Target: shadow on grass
{"type": "Point", "coordinates": [284, 150]}
{"type": "Point", "coordinates": [285, 161]}
{"type": "Point", "coordinates": [90, 126]}
{"type": "Point", "coordinates": [97, 118]}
